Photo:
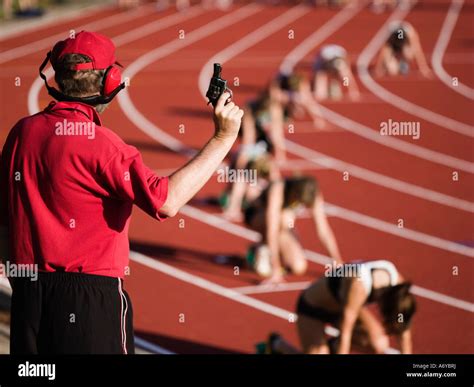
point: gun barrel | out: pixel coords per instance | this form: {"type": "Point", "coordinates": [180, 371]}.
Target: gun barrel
{"type": "Point", "coordinates": [217, 70]}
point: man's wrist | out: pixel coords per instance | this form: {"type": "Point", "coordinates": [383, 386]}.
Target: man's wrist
{"type": "Point", "coordinates": [225, 138]}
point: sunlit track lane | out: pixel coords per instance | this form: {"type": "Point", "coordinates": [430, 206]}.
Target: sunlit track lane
{"type": "Point", "coordinates": [212, 324]}
{"type": "Point", "coordinates": [459, 58]}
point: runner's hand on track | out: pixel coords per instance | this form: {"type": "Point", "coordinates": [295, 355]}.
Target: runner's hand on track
{"type": "Point", "coordinates": [227, 117]}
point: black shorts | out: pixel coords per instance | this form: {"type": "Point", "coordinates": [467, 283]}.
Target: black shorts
{"type": "Point", "coordinates": [249, 214]}
{"type": "Point", "coordinates": [321, 314]}
{"type": "Point", "coordinates": [70, 313]}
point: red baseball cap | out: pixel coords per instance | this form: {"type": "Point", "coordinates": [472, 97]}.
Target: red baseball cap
{"type": "Point", "coordinates": [99, 48]}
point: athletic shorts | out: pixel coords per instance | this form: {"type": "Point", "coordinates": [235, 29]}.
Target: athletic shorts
{"type": "Point", "coordinates": [317, 313]}
{"type": "Point", "coordinates": [249, 213]}
{"type": "Point", "coordinates": [70, 313]}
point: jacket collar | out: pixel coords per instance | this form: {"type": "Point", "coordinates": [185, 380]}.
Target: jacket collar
{"type": "Point", "coordinates": [83, 108]}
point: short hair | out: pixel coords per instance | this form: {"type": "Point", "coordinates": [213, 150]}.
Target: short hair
{"type": "Point", "coordinates": [396, 302]}
{"type": "Point", "coordinates": [82, 83]}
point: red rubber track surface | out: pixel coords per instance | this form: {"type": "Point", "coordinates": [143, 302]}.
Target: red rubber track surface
{"type": "Point", "coordinates": [166, 92]}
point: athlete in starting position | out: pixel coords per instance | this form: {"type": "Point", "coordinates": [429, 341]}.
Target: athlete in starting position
{"type": "Point", "coordinates": [331, 70]}
{"type": "Point", "coordinates": [401, 48]}
{"type": "Point", "coordinates": [273, 214]}
{"type": "Point", "coordinates": [341, 300]}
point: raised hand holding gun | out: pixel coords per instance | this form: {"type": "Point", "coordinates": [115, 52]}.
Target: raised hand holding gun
{"type": "Point", "coordinates": [217, 86]}
{"type": "Point", "coordinates": [188, 180]}
{"type": "Point", "coordinates": [227, 117]}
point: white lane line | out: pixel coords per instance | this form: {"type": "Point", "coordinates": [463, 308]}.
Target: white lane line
{"type": "Point", "coordinates": [157, 25]}
{"type": "Point", "coordinates": [275, 288]}
{"type": "Point", "coordinates": [152, 347]}
{"type": "Point", "coordinates": [348, 215]}
{"type": "Point", "coordinates": [406, 233]}
{"type": "Point", "coordinates": [119, 40]}
{"type": "Point", "coordinates": [378, 178]}
{"type": "Point", "coordinates": [440, 49]}
{"type": "Point", "coordinates": [320, 259]}
{"type": "Point", "coordinates": [363, 69]}
{"type": "Point", "coordinates": [220, 223]}
{"type": "Point", "coordinates": [47, 43]}
{"type": "Point", "coordinates": [395, 143]}
{"type": "Point", "coordinates": [376, 224]}
{"type": "Point", "coordinates": [298, 164]}
{"type": "Point", "coordinates": [223, 291]}
{"type": "Point", "coordinates": [288, 165]}
{"type": "Point", "coordinates": [300, 150]}
{"type": "Point", "coordinates": [210, 286]}
{"type": "Point", "coordinates": [442, 298]}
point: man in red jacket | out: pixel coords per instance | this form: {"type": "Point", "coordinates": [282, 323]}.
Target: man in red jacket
{"type": "Point", "coordinates": [67, 187]}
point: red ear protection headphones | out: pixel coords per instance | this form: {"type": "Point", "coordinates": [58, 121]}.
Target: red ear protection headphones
{"type": "Point", "coordinates": [111, 84]}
